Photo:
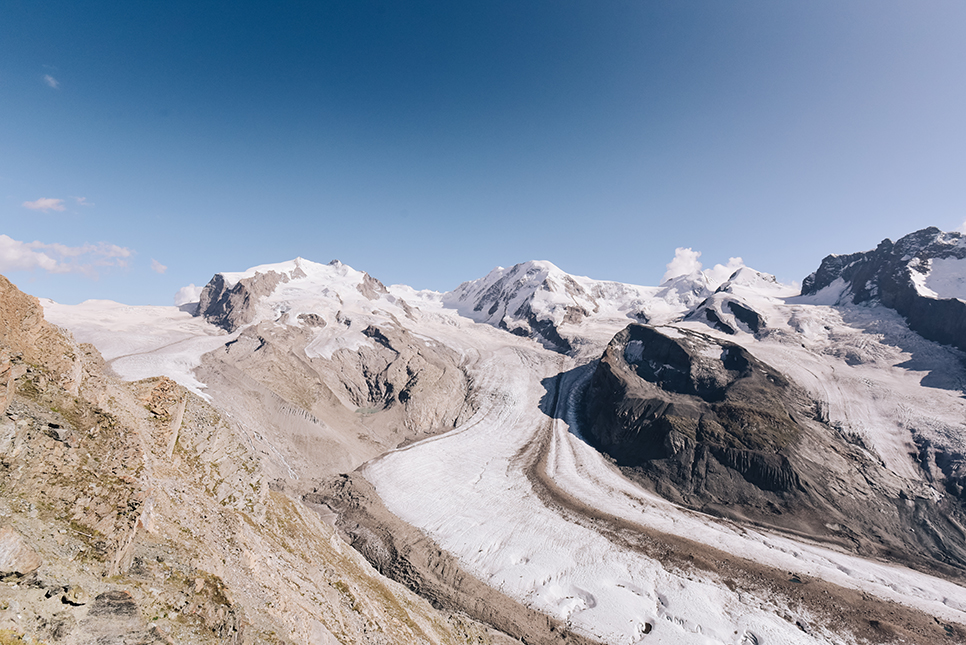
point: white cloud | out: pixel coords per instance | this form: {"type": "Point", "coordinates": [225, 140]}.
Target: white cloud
{"type": "Point", "coordinates": [18, 256]}
{"type": "Point", "coordinates": [187, 295]}
{"type": "Point", "coordinates": [45, 204]}
{"type": "Point", "coordinates": [51, 81]}
{"type": "Point", "coordinates": [721, 272]}
{"type": "Point", "coordinates": [962, 228]}
{"type": "Point", "coordinates": [157, 267]}
{"type": "Point", "coordinates": [685, 262]}
{"type": "Point", "coordinates": [60, 258]}
{"type": "Point", "coordinates": [82, 201]}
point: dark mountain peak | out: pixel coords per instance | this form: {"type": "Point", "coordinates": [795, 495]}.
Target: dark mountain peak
{"type": "Point", "coordinates": [910, 276]}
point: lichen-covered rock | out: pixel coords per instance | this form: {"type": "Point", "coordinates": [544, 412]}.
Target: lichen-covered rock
{"type": "Point", "coordinates": [16, 556]}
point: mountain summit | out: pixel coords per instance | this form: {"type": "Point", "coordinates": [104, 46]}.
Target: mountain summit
{"type": "Point", "coordinates": [922, 276]}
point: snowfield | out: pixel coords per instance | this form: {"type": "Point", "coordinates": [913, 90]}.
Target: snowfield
{"type": "Point", "coordinates": [490, 490]}
{"type": "Point", "coordinates": [469, 491]}
{"type": "Point", "coordinates": [138, 342]}
{"type": "Point", "coordinates": [941, 278]}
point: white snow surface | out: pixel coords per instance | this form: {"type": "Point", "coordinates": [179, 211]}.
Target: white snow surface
{"type": "Point", "coordinates": [504, 296]}
{"type": "Point", "coordinates": [139, 342]}
{"type": "Point", "coordinates": [940, 277]}
{"type": "Point", "coordinates": [466, 489]}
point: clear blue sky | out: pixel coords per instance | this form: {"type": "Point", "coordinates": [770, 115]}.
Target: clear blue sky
{"type": "Point", "coordinates": [427, 142]}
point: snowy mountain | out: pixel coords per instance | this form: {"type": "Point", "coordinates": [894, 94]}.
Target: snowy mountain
{"type": "Point", "coordinates": [718, 458]}
{"type": "Point", "coordinates": [538, 300]}
{"type": "Point", "coordinates": [922, 276]}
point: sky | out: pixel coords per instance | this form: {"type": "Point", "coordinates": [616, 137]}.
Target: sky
{"type": "Point", "coordinates": [148, 146]}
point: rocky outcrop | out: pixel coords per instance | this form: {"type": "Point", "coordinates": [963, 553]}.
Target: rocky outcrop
{"type": "Point", "coordinates": [231, 306]}
{"type": "Point", "coordinates": [137, 513]}
{"type": "Point", "coordinates": [328, 414]}
{"type": "Point", "coordinates": [687, 396]}
{"type": "Point", "coordinates": [16, 557]}
{"type": "Point", "coordinates": [704, 423]}
{"type": "Point", "coordinates": [886, 275]}
{"type": "Point", "coordinates": [25, 334]}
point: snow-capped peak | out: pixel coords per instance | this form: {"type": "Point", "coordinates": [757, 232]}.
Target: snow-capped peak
{"type": "Point", "coordinates": [920, 276]}
{"type": "Point", "coordinates": [231, 300]}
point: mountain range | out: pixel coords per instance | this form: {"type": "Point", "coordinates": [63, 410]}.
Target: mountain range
{"type": "Point", "coordinates": [307, 455]}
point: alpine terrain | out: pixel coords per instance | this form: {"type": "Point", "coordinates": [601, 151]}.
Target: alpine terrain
{"type": "Point", "coordinates": [306, 455]}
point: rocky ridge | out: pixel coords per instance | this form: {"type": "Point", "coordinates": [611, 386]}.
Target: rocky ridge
{"type": "Point", "coordinates": [95, 543]}
{"type": "Point", "coordinates": [538, 300]}
{"type": "Point", "coordinates": [319, 410]}
{"type": "Point", "coordinates": [890, 274]}
{"type": "Point", "coordinates": [706, 424]}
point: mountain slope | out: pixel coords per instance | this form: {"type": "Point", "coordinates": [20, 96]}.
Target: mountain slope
{"type": "Point", "coordinates": [136, 513]}
{"type": "Point", "coordinates": [921, 276]}
{"type": "Point", "coordinates": [829, 432]}
{"type": "Point", "coordinates": [538, 300]}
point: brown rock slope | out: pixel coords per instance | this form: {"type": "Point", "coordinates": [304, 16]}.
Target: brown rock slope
{"type": "Point", "coordinates": [136, 513]}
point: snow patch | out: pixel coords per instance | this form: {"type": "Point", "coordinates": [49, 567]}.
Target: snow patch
{"type": "Point", "coordinates": [943, 278]}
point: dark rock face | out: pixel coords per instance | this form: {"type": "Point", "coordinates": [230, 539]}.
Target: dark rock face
{"type": "Point", "coordinates": [114, 603]}
{"type": "Point", "coordinates": [751, 318]}
{"type": "Point", "coordinates": [541, 329]}
{"type": "Point", "coordinates": [231, 306]}
{"type": "Point", "coordinates": [885, 275]}
{"type": "Point", "coordinates": [522, 321]}
{"type": "Point", "coordinates": [675, 402]}
{"type": "Point", "coordinates": [706, 424]}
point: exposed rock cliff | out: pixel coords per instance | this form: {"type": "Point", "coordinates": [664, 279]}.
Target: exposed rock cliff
{"type": "Point", "coordinates": [705, 423]}
{"type": "Point", "coordinates": [901, 275]}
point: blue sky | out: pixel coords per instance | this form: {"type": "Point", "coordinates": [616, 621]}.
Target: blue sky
{"type": "Point", "coordinates": [427, 142]}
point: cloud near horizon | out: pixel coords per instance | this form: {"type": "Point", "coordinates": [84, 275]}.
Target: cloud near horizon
{"type": "Point", "coordinates": [686, 262]}
{"type": "Point", "coordinates": [60, 258]}
{"type": "Point", "coordinates": [45, 204]}
{"type": "Point", "coordinates": [187, 295]}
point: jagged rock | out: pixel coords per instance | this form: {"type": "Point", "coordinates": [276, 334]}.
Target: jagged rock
{"type": "Point", "coordinates": [751, 318]}
{"type": "Point", "coordinates": [117, 603]}
{"type": "Point", "coordinates": [889, 274]}
{"type": "Point", "coordinates": [231, 305]}
{"type": "Point", "coordinates": [16, 556]}
{"type": "Point", "coordinates": [706, 424]}
{"type": "Point", "coordinates": [37, 342]}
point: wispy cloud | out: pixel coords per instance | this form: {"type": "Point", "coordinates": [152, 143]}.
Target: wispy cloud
{"type": "Point", "coordinates": [60, 258]}
{"type": "Point", "coordinates": [962, 228]}
{"type": "Point", "coordinates": [45, 204]}
{"type": "Point", "coordinates": [82, 201]}
{"type": "Point", "coordinates": [157, 267]}
{"type": "Point", "coordinates": [51, 81]}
